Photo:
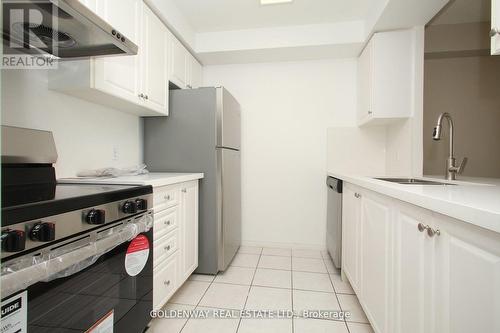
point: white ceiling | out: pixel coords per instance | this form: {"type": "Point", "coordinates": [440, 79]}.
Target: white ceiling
{"type": "Point", "coordinates": [464, 11]}
{"type": "Point", "coordinates": [221, 15]}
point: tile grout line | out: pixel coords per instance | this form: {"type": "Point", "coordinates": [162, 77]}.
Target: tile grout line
{"type": "Point", "coordinates": [199, 301]}
{"type": "Point", "coordinates": [336, 296]}
{"type": "Point", "coordinates": [249, 289]}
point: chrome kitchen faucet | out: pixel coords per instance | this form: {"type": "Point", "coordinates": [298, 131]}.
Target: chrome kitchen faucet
{"type": "Point", "coordinates": [451, 169]}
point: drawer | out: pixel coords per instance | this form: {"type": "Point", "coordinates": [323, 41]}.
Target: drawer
{"type": "Point", "coordinates": [165, 221]}
{"type": "Point", "coordinates": [165, 247]}
{"type": "Point", "coordinates": [165, 198]}
{"type": "Point", "coordinates": [165, 281]}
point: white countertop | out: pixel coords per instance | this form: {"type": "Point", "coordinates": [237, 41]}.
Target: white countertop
{"type": "Point", "coordinates": [473, 200]}
{"type": "Point", "coordinates": [154, 179]}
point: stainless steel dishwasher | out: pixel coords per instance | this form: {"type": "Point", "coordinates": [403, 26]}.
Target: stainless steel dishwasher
{"type": "Point", "coordinates": [334, 220]}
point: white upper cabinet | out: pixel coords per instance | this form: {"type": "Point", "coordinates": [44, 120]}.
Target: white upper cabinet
{"type": "Point", "coordinates": [178, 63]}
{"type": "Point", "coordinates": [185, 70]}
{"type": "Point", "coordinates": [385, 78]}
{"type": "Point", "coordinates": [495, 27]}
{"type": "Point", "coordinates": [154, 57]}
{"type": "Point", "coordinates": [195, 73]}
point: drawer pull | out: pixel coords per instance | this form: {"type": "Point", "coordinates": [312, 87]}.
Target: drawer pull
{"type": "Point", "coordinates": [166, 197]}
{"type": "Point", "coordinates": [166, 222]}
{"type": "Point", "coordinates": [432, 232]}
{"type": "Point", "coordinates": [184, 190]}
{"type": "Point", "coordinates": [421, 227]}
{"type": "Point", "coordinates": [167, 283]}
{"type": "Point", "coordinates": [167, 248]}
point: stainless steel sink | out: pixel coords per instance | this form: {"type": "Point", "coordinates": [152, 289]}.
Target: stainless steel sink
{"type": "Point", "coordinates": [413, 181]}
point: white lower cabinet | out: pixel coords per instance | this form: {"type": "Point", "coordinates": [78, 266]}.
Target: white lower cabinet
{"type": "Point", "coordinates": [165, 281]}
{"type": "Point", "coordinates": [175, 238]}
{"type": "Point", "coordinates": [375, 267]}
{"type": "Point", "coordinates": [351, 237]}
{"type": "Point", "coordinates": [189, 229]}
{"type": "Point", "coordinates": [467, 278]}
{"type": "Point", "coordinates": [413, 281]}
{"type": "Point", "coordinates": [414, 274]}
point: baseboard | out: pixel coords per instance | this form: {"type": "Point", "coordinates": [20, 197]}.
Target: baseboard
{"type": "Point", "coordinates": [284, 245]}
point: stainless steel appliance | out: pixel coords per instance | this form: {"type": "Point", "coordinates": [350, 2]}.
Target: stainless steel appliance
{"type": "Point", "coordinates": [74, 257]}
{"type": "Point", "coordinates": [334, 220]}
{"type": "Point", "coordinates": [451, 168]}
{"type": "Point", "coordinates": [68, 29]}
{"type": "Point", "coordinates": [202, 133]}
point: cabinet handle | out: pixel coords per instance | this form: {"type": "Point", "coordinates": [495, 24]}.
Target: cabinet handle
{"type": "Point", "coordinates": [166, 197]}
{"type": "Point", "coordinates": [146, 96]}
{"type": "Point", "coordinates": [184, 190]}
{"type": "Point", "coordinates": [166, 282]}
{"type": "Point", "coordinates": [167, 248]}
{"type": "Point", "coordinates": [494, 32]}
{"type": "Point", "coordinates": [432, 232]}
{"type": "Point", "coordinates": [141, 95]}
{"type": "Point", "coordinates": [189, 86]}
{"type": "Point", "coordinates": [370, 112]}
{"type": "Point", "coordinates": [357, 195]}
{"type": "Point", "coordinates": [421, 227]}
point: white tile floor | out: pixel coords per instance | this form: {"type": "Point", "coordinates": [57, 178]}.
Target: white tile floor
{"type": "Point", "coordinates": [268, 279]}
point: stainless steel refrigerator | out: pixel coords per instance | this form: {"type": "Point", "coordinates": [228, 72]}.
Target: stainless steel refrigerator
{"type": "Point", "coordinates": [202, 134]}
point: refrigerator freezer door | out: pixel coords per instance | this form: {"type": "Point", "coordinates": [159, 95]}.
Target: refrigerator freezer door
{"type": "Point", "coordinates": [229, 205]}
{"type": "Point", "coordinates": [228, 120]}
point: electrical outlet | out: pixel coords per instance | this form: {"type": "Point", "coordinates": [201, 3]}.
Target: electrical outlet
{"type": "Point", "coordinates": [116, 153]}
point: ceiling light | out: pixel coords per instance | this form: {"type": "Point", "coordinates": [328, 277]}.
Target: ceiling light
{"type": "Point", "coordinates": [274, 2]}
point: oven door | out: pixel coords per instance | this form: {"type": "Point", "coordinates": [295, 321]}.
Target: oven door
{"type": "Point", "coordinates": [99, 282]}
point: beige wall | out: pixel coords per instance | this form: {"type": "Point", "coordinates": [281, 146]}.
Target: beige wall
{"type": "Point", "coordinates": [469, 89]}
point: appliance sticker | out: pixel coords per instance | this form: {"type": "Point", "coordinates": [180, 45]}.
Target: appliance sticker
{"type": "Point", "coordinates": [137, 255]}
{"type": "Point", "coordinates": [103, 325]}
{"type": "Point", "coordinates": [15, 314]}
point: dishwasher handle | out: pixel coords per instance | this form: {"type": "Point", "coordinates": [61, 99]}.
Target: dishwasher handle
{"type": "Point", "coordinates": [334, 184]}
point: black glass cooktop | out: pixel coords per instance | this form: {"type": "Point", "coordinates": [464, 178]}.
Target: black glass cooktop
{"type": "Point", "coordinates": [27, 202]}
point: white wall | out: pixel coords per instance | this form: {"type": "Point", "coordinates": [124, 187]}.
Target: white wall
{"type": "Point", "coordinates": [85, 133]}
{"type": "Point", "coordinates": [286, 110]}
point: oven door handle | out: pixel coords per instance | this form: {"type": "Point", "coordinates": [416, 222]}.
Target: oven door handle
{"type": "Point", "coordinates": [68, 260]}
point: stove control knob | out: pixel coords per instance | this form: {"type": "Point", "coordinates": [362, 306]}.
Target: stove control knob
{"type": "Point", "coordinates": [43, 232]}
{"type": "Point", "coordinates": [142, 204]}
{"type": "Point", "coordinates": [129, 207]}
{"type": "Point", "coordinates": [96, 216]}
{"type": "Point", "coordinates": [13, 240]}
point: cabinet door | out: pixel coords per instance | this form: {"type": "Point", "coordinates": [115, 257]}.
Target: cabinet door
{"type": "Point", "coordinates": [120, 75]}
{"type": "Point", "coordinates": [468, 278]}
{"type": "Point", "coordinates": [351, 236]}
{"type": "Point", "coordinates": [196, 74]}
{"type": "Point", "coordinates": [365, 78]}
{"type": "Point", "coordinates": [375, 267]}
{"type": "Point", "coordinates": [154, 62]}
{"type": "Point", "coordinates": [178, 64]}
{"type": "Point", "coordinates": [414, 304]}
{"type": "Point", "coordinates": [495, 24]}
{"type": "Point", "coordinates": [189, 229]}
{"type": "Point", "coordinates": [165, 281]}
